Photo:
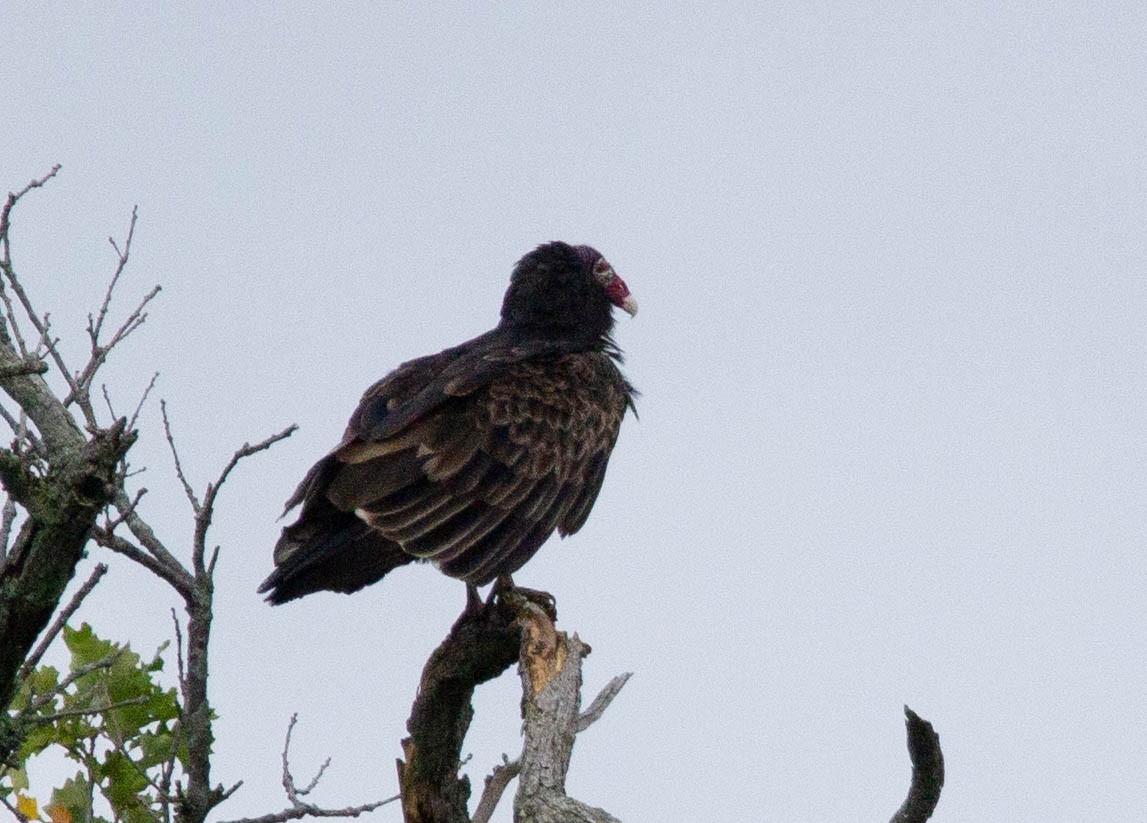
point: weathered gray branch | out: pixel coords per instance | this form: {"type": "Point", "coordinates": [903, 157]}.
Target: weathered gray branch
{"type": "Point", "coordinates": [496, 783]}
{"type": "Point", "coordinates": [551, 687]}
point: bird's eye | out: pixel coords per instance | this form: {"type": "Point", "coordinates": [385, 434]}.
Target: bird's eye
{"type": "Point", "coordinates": [603, 273]}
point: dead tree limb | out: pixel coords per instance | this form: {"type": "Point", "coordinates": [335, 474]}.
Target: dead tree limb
{"type": "Point", "coordinates": [482, 644]}
{"type": "Point", "coordinates": [927, 770]}
{"type": "Point", "coordinates": [299, 808]}
{"type": "Point", "coordinates": [551, 707]}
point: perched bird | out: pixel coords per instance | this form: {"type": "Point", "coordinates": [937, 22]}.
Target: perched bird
{"type": "Point", "coordinates": [474, 456]}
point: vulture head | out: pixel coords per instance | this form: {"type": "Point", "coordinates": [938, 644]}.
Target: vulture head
{"type": "Point", "coordinates": [567, 291]}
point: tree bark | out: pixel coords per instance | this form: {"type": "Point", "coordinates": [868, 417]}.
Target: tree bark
{"type": "Point", "coordinates": [482, 644]}
{"type": "Point", "coordinates": [62, 507]}
{"type": "Point", "coordinates": [551, 708]}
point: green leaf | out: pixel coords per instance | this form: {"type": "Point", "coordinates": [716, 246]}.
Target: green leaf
{"type": "Point", "coordinates": [74, 796]}
{"type": "Point", "coordinates": [156, 664]}
{"type": "Point", "coordinates": [121, 748]}
{"type": "Point", "coordinates": [85, 647]}
{"type": "Point", "coordinates": [16, 779]}
{"type": "Point", "coordinates": [123, 781]}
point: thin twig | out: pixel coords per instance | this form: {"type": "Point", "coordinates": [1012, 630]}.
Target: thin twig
{"type": "Point", "coordinates": [187, 490]}
{"type": "Point", "coordinates": [73, 676]}
{"type": "Point", "coordinates": [178, 648]}
{"type": "Point", "coordinates": [293, 792]}
{"type": "Point", "coordinates": [6, 253]}
{"type": "Point", "coordinates": [299, 809]}
{"type": "Point", "coordinates": [130, 701]}
{"type": "Point", "coordinates": [62, 618]}
{"type": "Point", "coordinates": [19, 815]}
{"type": "Point", "coordinates": [111, 524]}
{"type": "Point", "coordinates": [42, 326]}
{"type": "Point", "coordinates": [94, 328]}
{"type": "Point", "coordinates": [24, 437]}
{"type": "Point", "coordinates": [5, 215]}
{"type": "Point", "coordinates": [142, 399]}
{"type": "Point", "coordinates": [308, 810]}
{"type": "Point", "coordinates": [156, 558]}
{"type": "Point", "coordinates": [204, 514]}
{"type": "Point", "coordinates": [13, 424]}
{"type": "Point", "coordinates": [100, 352]}
{"type": "Point", "coordinates": [9, 312]}
{"type": "Point", "coordinates": [14, 196]}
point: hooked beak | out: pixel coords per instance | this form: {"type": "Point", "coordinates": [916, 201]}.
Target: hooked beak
{"type": "Point", "coordinates": [619, 295]}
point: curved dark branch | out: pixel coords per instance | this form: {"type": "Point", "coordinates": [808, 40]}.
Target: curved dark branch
{"type": "Point", "coordinates": [927, 770]}
{"type": "Point", "coordinates": [482, 644]}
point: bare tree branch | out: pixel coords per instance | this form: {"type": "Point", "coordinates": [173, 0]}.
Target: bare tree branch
{"type": "Point", "coordinates": [496, 783]}
{"type": "Point", "coordinates": [187, 490]}
{"type": "Point", "coordinates": [13, 197]}
{"type": "Point", "coordinates": [6, 253]}
{"type": "Point", "coordinates": [43, 700]}
{"type": "Point", "coordinates": [294, 793]}
{"type": "Point", "coordinates": [308, 810]}
{"type": "Point", "coordinates": [130, 701]}
{"type": "Point", "coordinates": [143, 399]}
{"type": "Point", "coordinates": [175, 576]}
{"type": "Point", "coordinates": [206, 512]}
{"type": "Point", "coordinates": [927, 771]}
{"type": "Point", "coordinates": [29, 364]}
{"type": "Point", "coordinates": [601, 702]}
{"type": "Point", "coordinates": [483, 643]}
{"type": "Point", "coordinates": [80, 385]}
{"type": "Point", "coordinates": [299, 809]}
{"type": "Point", "coordinates": [94, 328]}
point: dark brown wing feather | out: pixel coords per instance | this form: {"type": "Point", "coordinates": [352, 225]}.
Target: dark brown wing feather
{"type": "Point", "coordinates": [481, 482]}
{"type": "Point", "coordinates": [471, 458]}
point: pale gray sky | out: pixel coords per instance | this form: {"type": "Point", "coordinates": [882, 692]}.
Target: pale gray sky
{"type": "Point", "coordinates": [892, 448]}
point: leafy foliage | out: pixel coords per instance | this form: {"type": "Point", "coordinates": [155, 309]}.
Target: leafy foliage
{"type": "Point", "coordinates": [109, 716]}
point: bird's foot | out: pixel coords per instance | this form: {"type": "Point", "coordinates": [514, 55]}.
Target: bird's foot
{"type": "Point", "coordinates": [504, 589]}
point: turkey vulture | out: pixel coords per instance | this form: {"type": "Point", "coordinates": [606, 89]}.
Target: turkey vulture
{"type": "Point", "coordinates": [472, 457]}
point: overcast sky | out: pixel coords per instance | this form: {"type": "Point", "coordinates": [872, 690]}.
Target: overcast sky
{"type": "Point", "coordinates": [892, 449]}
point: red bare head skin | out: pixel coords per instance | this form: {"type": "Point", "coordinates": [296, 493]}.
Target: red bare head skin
{"type": "Point", "coordinates": [614, 286]}
{"type": "Point", "coordinates": [619, 293]}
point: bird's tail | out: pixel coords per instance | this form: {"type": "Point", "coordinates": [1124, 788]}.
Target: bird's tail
{"type": "Point", "coordinates": [329, 549]}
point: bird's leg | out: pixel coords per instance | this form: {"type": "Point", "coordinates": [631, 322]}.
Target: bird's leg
{"type": "Point", "coordinates": [474, 604]}
{"type": "Point", "coordinates": [502, 584]}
